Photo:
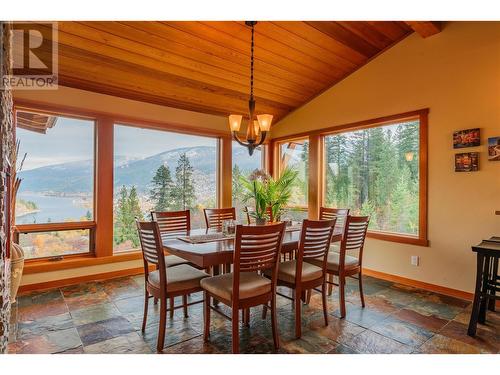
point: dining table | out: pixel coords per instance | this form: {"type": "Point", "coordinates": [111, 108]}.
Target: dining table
{"type": "Point", "coordinates": [214, 253]}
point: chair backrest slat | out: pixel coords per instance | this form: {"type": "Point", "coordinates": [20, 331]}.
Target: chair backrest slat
{"type": "Point", "coordinates": [257, 247]}
{"type": "Point", "coordinates": [315, 239]}
{"type": "Point", "coordinates": [355, 232]}
{"type": "Point", "coordinates": [327, 213]}
{"type": "Point", "coordinates": [152, 249]}
{"type": "Point", "coordinates": [214, 217]}
{"type": "Point", "coordinates": [354, 237]}
{"type": "Point", "coordinates": [172, 223]}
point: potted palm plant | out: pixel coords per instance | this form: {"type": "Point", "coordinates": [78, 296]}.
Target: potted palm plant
{"type": "Point", "coordinates": [255, 188]}
{"type": "Point", "coordinates": [268, 194]}
{"type": "Point", "coordinates": [279, 192]}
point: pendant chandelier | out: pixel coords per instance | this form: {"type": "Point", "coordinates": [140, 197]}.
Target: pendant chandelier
{"type": "Point", "coordinates": [258, 127]}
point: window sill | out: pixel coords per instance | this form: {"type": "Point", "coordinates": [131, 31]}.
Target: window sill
{"type": "Point", "coordinates": [44, 265]}
{"type": "Point", "coordinates": [400, 238]}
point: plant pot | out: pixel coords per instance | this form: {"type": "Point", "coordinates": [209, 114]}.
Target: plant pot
{"type": "Point", "coordinates": [16, 269]}
{"type": "Point", "coordinates": [260, 221]}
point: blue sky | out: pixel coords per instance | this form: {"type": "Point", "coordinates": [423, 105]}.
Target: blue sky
{"type": "Point", "coordinates": [72, 140]}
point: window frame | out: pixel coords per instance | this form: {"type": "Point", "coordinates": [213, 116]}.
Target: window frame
{"type": "Point", "coordinates": [218, 171]}
{"type": "Point", "coordinates": [317, 168]}
{"type": "Point", "coordinates": [90, 225]}
{"type": "Point", "coordinates": [102, 225]}
{"type": "Point", "coordinates": [278, 168]}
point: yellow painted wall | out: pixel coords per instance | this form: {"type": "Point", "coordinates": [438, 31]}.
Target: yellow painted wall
{"type": "Point", "coordinates": [86, 100]}
{"type": "Point", "coordinates": [456, 74]}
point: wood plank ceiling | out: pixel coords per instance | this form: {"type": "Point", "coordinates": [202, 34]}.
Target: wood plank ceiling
{"type": "Point", "coordinates": [204, 66]}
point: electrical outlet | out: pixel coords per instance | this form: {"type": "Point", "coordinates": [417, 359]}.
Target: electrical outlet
{"type": "Point", "coordinates": [415, 260]}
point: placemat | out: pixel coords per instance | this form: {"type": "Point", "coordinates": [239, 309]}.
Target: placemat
{"type": "Point", "coordinates": [203, 238]}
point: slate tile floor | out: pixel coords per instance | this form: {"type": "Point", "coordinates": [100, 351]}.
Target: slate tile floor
{"type": "Point", "coordinates": [106, 317]}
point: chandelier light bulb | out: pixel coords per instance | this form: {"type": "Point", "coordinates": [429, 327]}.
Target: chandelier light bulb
{"type": "Point", "coordinates": [235, 122]}
{"type": "Point", "coordinates": [265, 122]}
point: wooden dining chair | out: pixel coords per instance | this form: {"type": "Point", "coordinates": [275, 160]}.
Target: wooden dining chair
{"type": "Point", "coordinates": [301, 276]}
{"type": "Point", "coordinates": [256, 250]}
{"type": "Point", "coordinates": [343, 265]}
{"type": "Point", "coordinates": [328, 213]}
{"type": "Point", "coordinates": [164, 283]}
{"type": "Point", "coordinates": [172, 224]}
{"type": "Point", "coordinates": [214, 217]}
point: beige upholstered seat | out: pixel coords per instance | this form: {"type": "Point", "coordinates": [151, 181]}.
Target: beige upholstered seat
{"type": "Point", "coordinates": [286, 271]}
{"type": "Point", "coordinates": [182, 277]}
{"type": "Point", "coordinates": [173, 260]}
{"type": "Point", "coordinates": [251, 285]}
{"type": "Point", "coordinates": [334, 260]}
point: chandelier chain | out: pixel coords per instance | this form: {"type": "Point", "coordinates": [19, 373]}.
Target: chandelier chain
{"type": "Point", "coordinates": [251, 65]}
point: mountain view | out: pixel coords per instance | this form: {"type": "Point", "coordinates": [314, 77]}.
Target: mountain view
{"type": "Point", "coordinates": [76, 177]}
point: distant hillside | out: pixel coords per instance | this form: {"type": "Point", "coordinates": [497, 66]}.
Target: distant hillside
{"type": "Point", "coordinates": [76, 177]}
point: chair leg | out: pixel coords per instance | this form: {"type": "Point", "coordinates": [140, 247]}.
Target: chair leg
{"type": "Point", "coordinates": [330, 285]}
{"type": "Point", "coordinates": [247, 317]}
{"type": "Point", "coordinates": [274, 324]}
{"type": "Point", "coordinates": [492, 305]}
{"type": "Point", "coordinates": [172, 303]}
{"type": "Point", "coordinates": [145, 317]}
{"type": "Point", "coordinates": [360, 282]}
{"type": "Point", "coordinates": [264, 312]}
{"type": "Point", "coordinates": [477, 296]}
{"type": "Point", "coordinates": [163, 325]}
{"type": "Point", "coordinates": [303, 296]}
{"type": "Point", "coordinates": [206, 315]}
{"type": "Point", "coordinates": [298, 319]}
{"type": "Point", "coordinates": [308, 296]}
{"type": "Point", "coordinates": [342, 295]}
{"type": "Point", "coordinates": [236, 330]}
{"type": "Point", "coordinates": [185, 305]}
{"type": "Point", "coordinates": [325, 306]}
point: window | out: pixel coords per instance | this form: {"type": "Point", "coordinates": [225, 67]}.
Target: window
{"type": "Point", "coordinates": [55, 243]}
{"type": "Point", "coordinates": [57, 185]}
{"type": "Point", "coordinates": [375, 171]}
{"type": "Point", "coordinates": [160, 170]}
{"type": "Point", "coordinates": [295, 155]}
{"type": "Point", "coordinates": [243, 165]}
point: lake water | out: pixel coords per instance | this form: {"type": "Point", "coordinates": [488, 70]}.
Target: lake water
{"type": "Point", "coordinates": [53, 209]}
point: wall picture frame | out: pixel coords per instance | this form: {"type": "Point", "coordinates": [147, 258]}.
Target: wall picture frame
{"type": "Point", "coordinates": [467, 162]}
{"type": "Point", "coordinates": [494, 149]}
{"type": "Point", "coordinates": [467, 138]}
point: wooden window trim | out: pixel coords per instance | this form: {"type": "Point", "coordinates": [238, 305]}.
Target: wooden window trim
{"type": "Point", "coordinates": [317, 167]}
{"type": "Point", "coordinates": [101, 234]}
{"type": "Point", "coordinates": [274, 160]}
{"type": "Point", "coordinates": [76, 261]}
{"type": "Point", "coordinates": [63, 226]}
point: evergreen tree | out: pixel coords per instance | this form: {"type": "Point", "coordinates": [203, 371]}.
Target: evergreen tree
{"type": "Point", "coordinates": [88, 215]}
{"type": "Point", "coordinates": [237, 188]}
{"type": "Point", "coordinates": [121, 215]}
{"type": "Point", "coordinates": [407, 142]}
{"type": "Point", "coordinates": [128, 209]}
{"type": "Point", "coordinates": [337, 174]}
{"type": "Point", "coordinates": [161, 190]}
{"type": "Point", "coordinates": [183, 194]}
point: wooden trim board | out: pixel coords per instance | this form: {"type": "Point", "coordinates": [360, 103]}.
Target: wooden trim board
{"type": "Point", "coordinates": [80, 279]}
{"type": "Point", "coordinates": [44, 265]}
{"type": "Point", "coordinates": [419, 284]}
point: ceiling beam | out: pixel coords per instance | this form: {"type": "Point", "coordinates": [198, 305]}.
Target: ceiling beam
{"type": "Point", "coordinates": [425, 28]}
